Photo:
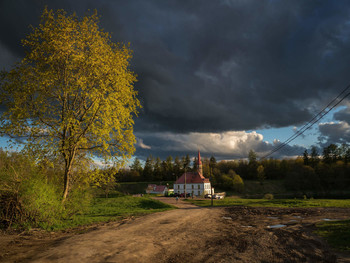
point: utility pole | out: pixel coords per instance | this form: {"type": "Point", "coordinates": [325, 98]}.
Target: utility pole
{"type": "Point", "coordinates": [211, 188]}
{"type": "Point", "coordinates": [185, 184]}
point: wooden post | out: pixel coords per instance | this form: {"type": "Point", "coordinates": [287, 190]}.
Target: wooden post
{"type": "Point", "coordinates": [185, 184]}
{"type": "Point", "coordinates": [211, 188]}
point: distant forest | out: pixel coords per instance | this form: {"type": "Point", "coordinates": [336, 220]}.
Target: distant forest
{"type": "Point", "coordinates": [323, 172]}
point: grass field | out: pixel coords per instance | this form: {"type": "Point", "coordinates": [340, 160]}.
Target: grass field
{"type": "Point", "coordinates": [336, 233]}
{"type": "Point", "coordinates": [229, 201]}
{"type": "Point", "coordinates": [109, 209]}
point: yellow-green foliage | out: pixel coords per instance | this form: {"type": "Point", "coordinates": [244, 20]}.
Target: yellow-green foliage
{"type": "Point", "coordinates": [104, 179]}
{"type": "Point", "coordinates": [72, 93]}
{"type": "Point", "coordinates": [268, 196]}
{"type": "Point", "coordinates": [238, 184]}
{"type": "Point", "coordinates": [30, 195]}
{"type": "Point", "coordinates": [26, 196]}
{"type": "Point", "coordinates": [232, 181]}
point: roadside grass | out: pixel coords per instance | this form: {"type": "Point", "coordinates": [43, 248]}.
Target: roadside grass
{"type": "Point", "coordinates": [229, 201]}
{"type": "Point", "coordinates": [111, 209]}
{"type": "Point", "coordinates": [337, 233]}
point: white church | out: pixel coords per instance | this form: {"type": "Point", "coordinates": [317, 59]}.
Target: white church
{"type": "Point", "coordinates": [194, 182]}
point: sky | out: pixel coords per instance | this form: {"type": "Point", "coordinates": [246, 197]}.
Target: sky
{"type": "Point", "coordinates": [223, 77]}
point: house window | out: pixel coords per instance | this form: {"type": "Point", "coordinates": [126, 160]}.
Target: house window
{"type": "Point", "coordinates": [199, 186]}
{"type": "Point", "coordinates": [192, 186]}
{"type": "Point", "coordinates": [178, 186]}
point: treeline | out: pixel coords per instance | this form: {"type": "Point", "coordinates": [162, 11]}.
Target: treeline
{"type": "Point", "coordinates": [325, 171]}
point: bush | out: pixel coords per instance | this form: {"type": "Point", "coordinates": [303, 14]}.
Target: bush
{"type": "Point", "coordinates": [31, 197]}
{"type": "Point", "coordinates": [238, 184]}
{"type": "Point", "coordinates": [268, 196]}
{"type": "Point", "coordinates": [26, 196]}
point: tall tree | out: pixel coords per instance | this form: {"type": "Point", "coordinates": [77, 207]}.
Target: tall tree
{"type": "Point", "coordinates": [170, 168]}
{"type": "Point", "coordinates": [72, 93]}
{"type": "Point", "coordinates": [148, 169]}
{"type": "Point", "coordinates": [136, 166]}
{"type": "Point", "coordinates": [314, 157]}
{"type": "Point", "coordinates": [186, 162]}
{"type": "Point", "coordinates": [253, 165]}
{"type": "Point", "coordinates": [212, 162]}
{"type": "Point", "coordinates": [177, 167]}
{"type": "Point", "coordinates": [261, 174]}
{"type": "Point", "coordinates": [158, 171]}
{"type": "Point", "coordinates": [306, 157]}
{"type": "Point", "coordinates": [330, 153]}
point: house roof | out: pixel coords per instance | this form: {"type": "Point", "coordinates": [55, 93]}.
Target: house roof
{"type": "Point", "coordinates": [159, 188]}
{"type": "Point", "coordinates": [192, 178]}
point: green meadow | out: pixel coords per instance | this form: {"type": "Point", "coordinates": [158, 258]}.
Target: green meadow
{"type": "Point", "coordinates": [111, 209]}
{"type": "Point", "coordinates": [337, 233]}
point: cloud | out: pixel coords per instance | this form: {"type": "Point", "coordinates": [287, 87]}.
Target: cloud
{"type": "Point", "coordinates": [142, 145]}
{"type": "Point", "coordinates": [8, 59]}
{"type": "Point", "coordinates": [337, 131]}
{"type": "Point", "coordinates": [208, 69]}
{"type": "Point", "coordinates": [220, 66]}
{"type": "Point", "coordinates": [334, 132]}
{"type": "Point", "coordinates": [225, 145]}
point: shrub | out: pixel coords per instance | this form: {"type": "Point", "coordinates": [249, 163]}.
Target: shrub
{"type": "Point", "coordinates": [268, 196]}
{"type": "Point", "coordinates": [30, 195]}
{"type": "Point", "coordinates": [26, 196]}
{"type": "Point", "coordinates": [238, 184]}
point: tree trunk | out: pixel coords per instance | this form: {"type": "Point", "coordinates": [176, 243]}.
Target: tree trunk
{"type": "Point", "coordinates": [67, 174]}
{"type": "Point", "coordinates": [66, 183]}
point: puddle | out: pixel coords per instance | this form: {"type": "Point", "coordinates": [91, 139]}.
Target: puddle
{"type": "Point", "coordinates": [276, 226]}
{"type": "Point", "coordinates": [293, 221]}
{"type": "Point", "coordinates": [272, 217]}
{"type": "Point", "coordinates": [298, 217]}
{"type": "Point", "coordinates": [247, 226]}
{"type": "Point", "coordinates": [329, 219]}
{"type": "Point", "coordinates": [227, 217]}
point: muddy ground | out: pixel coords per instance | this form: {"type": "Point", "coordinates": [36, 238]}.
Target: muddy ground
{"type": "Point", "coordinates": [188, 234]}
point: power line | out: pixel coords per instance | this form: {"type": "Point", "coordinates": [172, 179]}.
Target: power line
{"type": "Point", "coordinates": [311, 122]}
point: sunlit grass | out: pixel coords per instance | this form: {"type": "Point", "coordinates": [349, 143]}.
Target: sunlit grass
{"type": "Point", "coordinates": [229, 201]}
{"type": "Point", "coordinates": [111, 209]}
{"type": "Point", "coordinates": [337, 233]}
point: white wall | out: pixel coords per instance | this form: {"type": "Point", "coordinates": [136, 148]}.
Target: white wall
{"type": "Point", "coordinates": [197, 191]}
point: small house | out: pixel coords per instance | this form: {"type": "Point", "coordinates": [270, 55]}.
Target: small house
{"type": "Point", "coordinates": [156, 189]}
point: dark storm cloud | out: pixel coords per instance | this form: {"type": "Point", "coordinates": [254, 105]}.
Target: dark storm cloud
{"type": "Point", "coordinates": [216, 66]}
{"type": "Point", "coordinates": [240, 66]}
{"type": "Point", "coordinates": [343, 115]}
{"type": "Point", "coordinates": [336, 132]}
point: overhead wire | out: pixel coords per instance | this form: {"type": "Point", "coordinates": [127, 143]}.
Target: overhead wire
{"type": "Point", "coordinates": [311, 122]}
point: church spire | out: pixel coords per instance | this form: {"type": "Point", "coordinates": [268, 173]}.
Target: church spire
{"type": "Point", "coordinates": [199, 164]}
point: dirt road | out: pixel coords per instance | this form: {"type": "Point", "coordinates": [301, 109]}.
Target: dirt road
{"type": "Point", "coordinates": [189, 234]}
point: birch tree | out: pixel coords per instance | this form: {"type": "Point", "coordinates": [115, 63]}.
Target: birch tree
{"type": "Point", "coordinates": [72, 93]}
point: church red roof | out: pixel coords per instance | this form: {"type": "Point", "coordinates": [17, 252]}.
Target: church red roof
{"type": "Point", "coordinates": [192, 178]}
